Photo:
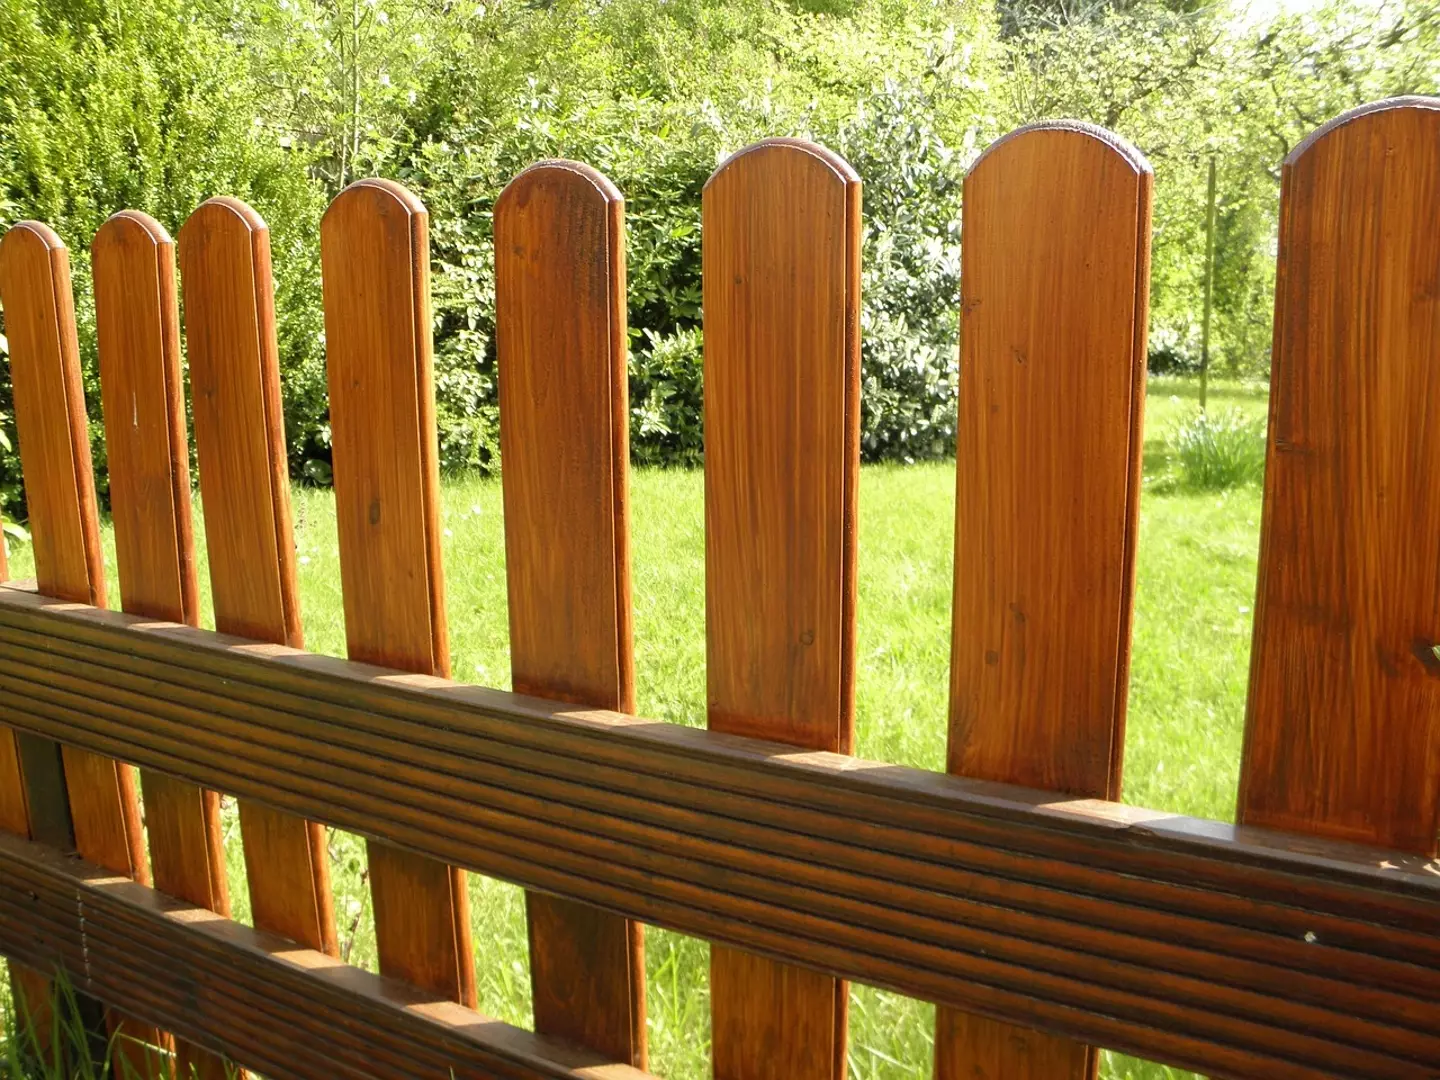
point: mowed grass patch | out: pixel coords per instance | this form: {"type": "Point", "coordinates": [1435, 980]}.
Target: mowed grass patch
{"type": "Point", "coordinates": [1195, 589]}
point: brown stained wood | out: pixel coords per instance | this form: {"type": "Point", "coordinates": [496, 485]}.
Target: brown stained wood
{"type": "Point", "coordinates": [224, 252]}
{"type": "Point", "coordinates": [14, 817]}
{"type": "Point", "coordinates": [1054, 296]}
{"type": "Point", "coordinates": [50, 413]}
{"type": "Point", "coordinates": [1234, 951]}
{"type": "Point", "coordinates": [782, 368]}
{"type": "Point", "coordinates": [54, 445]}
{"type": "Point", "coordinates": [102, 818]}
{"type": "Point", "coordinates": [1342, 735]}
{"type": "Point", "coordinates": [138, 334]}
{"type": "Point", "coordinates": [376, 271]}
{"type": "Point", "coordinates": [255, 996]}
{"type": "Point", "coordinates": [564, 413]}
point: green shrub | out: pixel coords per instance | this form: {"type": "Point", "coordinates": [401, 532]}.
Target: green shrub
{"type": "Point", "coordinates": [667, 399]}
{"type": "Point", "coordinates": [150, 106]}
{"type": "Point", "coordinates": [1221, 449]}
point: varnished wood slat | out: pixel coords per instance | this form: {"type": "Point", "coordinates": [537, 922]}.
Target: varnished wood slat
{"type": "Point", "coordinates": [1342, 734]}
{"type": "Point", "coordinates": [1054, 295]}
{"type": "Point", "coordinates": [782, 368]}
{"type": "Point", "coordinates": [54, 451]}
{"type": "Point", "coordinates": [92, 802]}
{"type": "Point", "coordinates": [564, 415]}
{"type": "Point", "coordinates": [254, 996]}
{"type": "Point", "coordinates": [14, 818]}
{"type": "Point", "coordinates": [54, 444]}
{"type": "Point", "coordinates": [376, 264]}
{"type": "Point", "coordinates": [240, 443]}
{"type": "Point", "coordinates": [138, 333]}
{"type": "Point", "coordinates": [1192, 938]}
{"type": "Point", "coordinates": [1202, 945]}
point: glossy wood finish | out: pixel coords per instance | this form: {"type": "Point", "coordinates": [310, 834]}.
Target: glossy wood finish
{"type": "Point", "coordinates": [254, 996]}
{"type": "Point", "coordinates": [240, 442]}
{"type": "Point", "coordinates": [564, 417]}
{"type": "Point", "coordinates": [375, 258]}
{"type": "Point", "coordinates": [15, 820]}
{"type": "Point", "coordinates": [98, 811]}
{"type": "Point", "coordinates": [1343, 728]}
{"type": "Point", "coordinates": [54, 444]}
{"type": "Point", "coordinates": [14, 817]}
{"type": "Point", "coordinates": [138, 333]}
{"type": "Point", "coordinates": [782, 371]}
{"type": "Point", "coordinates": [54, 448]}
{"type": "Point", "coordinates": [1054, 296]}
{"type": "Point", "coordinates": [1232, 951]}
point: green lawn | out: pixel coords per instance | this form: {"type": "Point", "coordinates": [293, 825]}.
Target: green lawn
{"type": "Point", "coordinates": [1196, 574]}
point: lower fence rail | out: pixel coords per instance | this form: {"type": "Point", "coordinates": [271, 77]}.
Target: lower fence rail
{"type": "Point", "coordinates": [259, 999]}
{"type": "Point", "coordinates": [1236, 952]}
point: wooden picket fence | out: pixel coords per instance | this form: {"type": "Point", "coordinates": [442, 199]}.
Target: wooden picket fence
{"type": "Point", "coordinates": [1043, 916]}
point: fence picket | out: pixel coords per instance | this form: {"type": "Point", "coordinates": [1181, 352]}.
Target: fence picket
{"type": "Point", "coordinates": [138, 332]}
{"type": "Point", "coordinates": [782, 364]}
{"type": "Point", "coordinates": [1054, 295]}
{"type": "Point", "coordinates": [375, 269]}
{"type": "Point", "coordinates": [1344, 707]}
{"type": "Point", "coordinates": [561, 347]}
{"type": "Point", "coordinates": [240, 443]}
{"type": "Point", "coordinates": [100, 814]}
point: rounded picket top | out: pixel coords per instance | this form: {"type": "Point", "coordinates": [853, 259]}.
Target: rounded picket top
{"type": "Point", "coordinates": [129, 232]}
{"type": "Point", "coordinates": [372, 197]}
{"type": "Point", "coordinates": [25, 240]}
{"type": "Point", "coordinates": [32, 256]}
{"type": "Point", "coordinates": [558, 174]}
{"type": "Point", "coordinates": [1368, 118]}
{"type": "Point", "coordinates": [770, 153]}
{"type": "Point", "coordinates": [221, 216]}
{"type": "Point", "coordinates": [1049, 136]}
{"type": "Point", "coordinates": [1350, 507]}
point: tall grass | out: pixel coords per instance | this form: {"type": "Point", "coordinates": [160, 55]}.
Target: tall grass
{"type": "Point", "coordinates": [1220, 449]}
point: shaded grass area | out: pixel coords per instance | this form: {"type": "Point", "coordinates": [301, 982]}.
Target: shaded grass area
{"type": "Point", "coordinates": [1196, 583]}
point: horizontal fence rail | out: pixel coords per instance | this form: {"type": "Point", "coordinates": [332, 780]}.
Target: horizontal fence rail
{"type": "Point", "coordinates": [1301, 957]}
{"type": "Point", "coordinates": [256, 997]}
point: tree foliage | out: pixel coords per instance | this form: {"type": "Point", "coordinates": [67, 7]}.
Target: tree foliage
{"type": "Point", "coordinates": [158, 104]}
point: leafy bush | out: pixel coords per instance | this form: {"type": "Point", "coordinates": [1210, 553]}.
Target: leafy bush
{"type": "Point", "coordinates": [149, 107]}
{"type": "Point", "coordinates": [667, 400]}
{"type": "Point", "coordinates": [1221, 449]}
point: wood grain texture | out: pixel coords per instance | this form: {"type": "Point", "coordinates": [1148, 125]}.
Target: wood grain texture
{"type": "Point", "coordinates": [255, 996]}
{"type": "Point", "coordinates": [14, 817]}
{"type": "Point", "coordinates": [376, 264]}
{"type": "Point", "coordinates": [782, 368]}
{"type": "Point", "coordinates": [93, 802]}
{"type": "Point", "coordinates": [1342, 734]}
{"type": "Point", "coordinates": [1228, 950]}
{"type": "Point", "coordinates": [561, 344]}
{"type": "Point", "coordinates": [1054, 300]}
{"type": "Point", "coordinates": [1232, 951]}
{"type": "Point", "coordinates": [138, 333]}
{"type": "Point", "coordinates": [54, 445]}
{"type": "Point", "coordinates": [240, 444]}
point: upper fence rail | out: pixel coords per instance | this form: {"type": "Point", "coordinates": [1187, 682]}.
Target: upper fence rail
{"type": "Point", "coordinates": [1045, 923]}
